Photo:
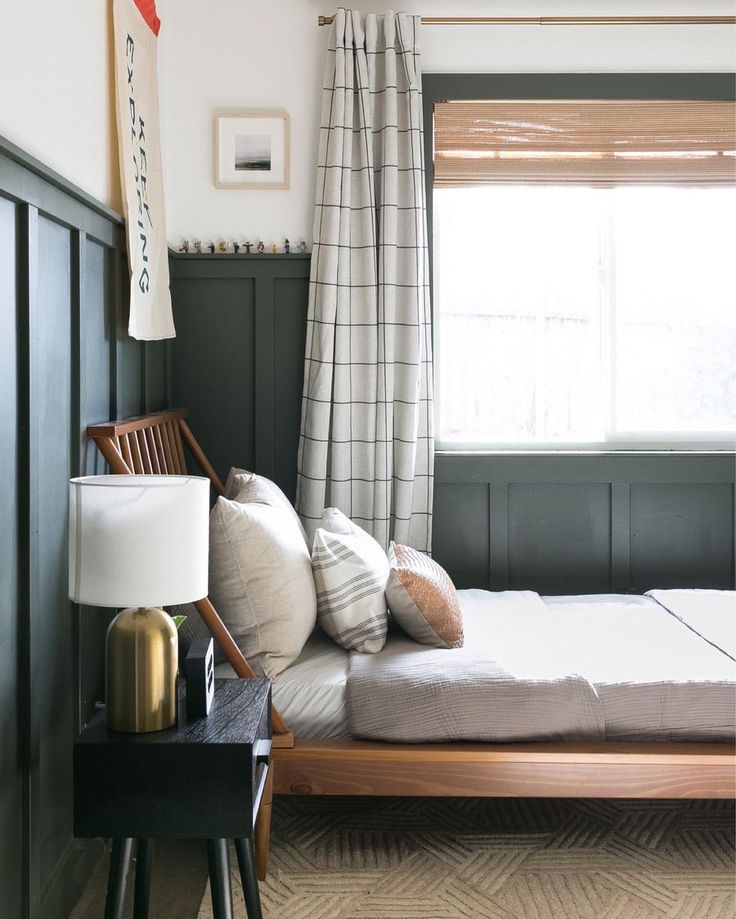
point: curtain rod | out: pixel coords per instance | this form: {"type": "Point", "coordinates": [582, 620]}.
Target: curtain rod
{"type": "Point", "coordinates": [567, 20]}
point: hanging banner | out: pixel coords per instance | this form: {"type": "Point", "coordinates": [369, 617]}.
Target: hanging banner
{"type": "Point", "coordinates": [136, 28]}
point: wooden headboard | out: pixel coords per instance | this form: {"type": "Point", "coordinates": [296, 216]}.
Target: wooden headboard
{"type": "Point", "coordinates": [151, 445]}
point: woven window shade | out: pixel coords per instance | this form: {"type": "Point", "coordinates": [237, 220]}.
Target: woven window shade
{"type": "Point", "coordinates": [587, 143]}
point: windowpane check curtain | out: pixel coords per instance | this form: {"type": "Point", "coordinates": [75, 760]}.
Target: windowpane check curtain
{"type": "Point", "coordinates": [366, 434]}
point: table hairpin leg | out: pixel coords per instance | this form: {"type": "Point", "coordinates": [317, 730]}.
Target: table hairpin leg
{"type": "Point", "coordinates": [143, 858]}
{"type": "Point", "coordinates": [219, 862]}
{"type": "Point", "coordinates": [248, 877]}
{"type": "Point", "coordinates": [118, 878]}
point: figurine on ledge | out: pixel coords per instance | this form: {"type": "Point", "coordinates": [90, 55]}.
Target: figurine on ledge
{"type": "Point", "coordinates": [236, 247]}
{"type": "Point", "coordinates": [211, 247]}
{"type": "Point", "coordinates": [184, 246]}
{"type": "Point", "coordinates": [222, 246]}
{"type": "Point", "coordinates": [286, 247]}
{"type": "Point", "coordinates": [301, 247]}
{"type": "Point", "coordinates": [198, 246]}
{"type": "Point", "coordinates": [260, 247]}
{"type": "Point", "coordinates": [248, 247]}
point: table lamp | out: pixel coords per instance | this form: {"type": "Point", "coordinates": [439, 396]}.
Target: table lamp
{"type": "Point", "coordinates": [139, 541]}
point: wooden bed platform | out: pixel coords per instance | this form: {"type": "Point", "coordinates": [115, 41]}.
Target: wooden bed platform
{"type": "Point", "coordinates": [533, 770]}
{"type": "Point", "coordinates": [154, 444]}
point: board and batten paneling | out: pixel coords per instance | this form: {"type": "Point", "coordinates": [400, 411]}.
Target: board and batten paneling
{"type": "Point", "coordinates": [66, 361]}
{"type": "Point", "coordinates": [586, 523]}
{"type": "Point", "coordinates": [556, 523]}
{"type": "Point", "coordinates": [238, 359]}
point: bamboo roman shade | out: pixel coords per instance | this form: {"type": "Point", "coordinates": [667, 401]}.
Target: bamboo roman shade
{"type": "Point", "coordinates": [606, 142]}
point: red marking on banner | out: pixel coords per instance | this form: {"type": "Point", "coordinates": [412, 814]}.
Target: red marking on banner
{"type": "Point", "coordinates": [147, 9]}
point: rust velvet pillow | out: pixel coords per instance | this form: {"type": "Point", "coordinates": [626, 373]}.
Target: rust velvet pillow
{"type": "Point", "coordinates": [423, 599]}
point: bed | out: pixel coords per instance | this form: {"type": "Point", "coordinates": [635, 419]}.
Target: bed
{"type": "Point", "coordinates": [319, 757]}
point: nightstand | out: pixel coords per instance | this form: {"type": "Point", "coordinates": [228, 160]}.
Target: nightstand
{"type": "Point", "coordinates": [202, 779]}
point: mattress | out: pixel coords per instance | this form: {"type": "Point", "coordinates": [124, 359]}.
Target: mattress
{"type": "Point", "coordinates": [648, 673]}
{"type": "Point", "coordinates": [310, 694]}
{"type": "Point", "coordinates": [652, 677]}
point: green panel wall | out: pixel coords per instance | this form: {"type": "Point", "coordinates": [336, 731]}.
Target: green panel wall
{"type": "Point", "coordinates": [11, 787]}
{"type": "Point", "coordinates": [238, 359]}
{"type": "Point", "coordinates": [65, 361]}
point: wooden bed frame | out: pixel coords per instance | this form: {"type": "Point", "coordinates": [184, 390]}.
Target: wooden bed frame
{"type": "Point", "coordinates": [154, 444]}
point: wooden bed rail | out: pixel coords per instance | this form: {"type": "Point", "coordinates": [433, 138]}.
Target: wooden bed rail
{"type": "Point", "coordinates": [154, 445]}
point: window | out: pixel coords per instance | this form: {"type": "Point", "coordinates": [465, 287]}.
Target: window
{"type": "Point", "coordinates": [585, 305]}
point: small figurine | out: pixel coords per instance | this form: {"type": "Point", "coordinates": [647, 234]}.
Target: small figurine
{"type": "Point", "coordinates": [198, 246]}
{"type": "Point", "coordinates": [274, 248]}
{"type": "Point", "coordinates": [248, 247]}
{"type": "Point", "coordinates": [286, 247]}
{"type": "Point", "coordinates": [260, 247]}
{"type": "Point", "coordinates": [222, 246]}
{"type": "Point", "coordinates": [236, 247]}
{"type": "Point", "coordinates": [211, 247]}
{"type": "Point", "coordinates": [301, 246]}
{"type": "Point", "coordinates": [184, 246]}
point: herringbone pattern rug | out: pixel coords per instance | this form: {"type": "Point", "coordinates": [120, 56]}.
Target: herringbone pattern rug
{"type": "Point", "coordinates": [467, 858]}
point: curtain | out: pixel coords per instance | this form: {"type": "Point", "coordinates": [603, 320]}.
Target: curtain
{"type": "Point", "coordinates": [366, 439]}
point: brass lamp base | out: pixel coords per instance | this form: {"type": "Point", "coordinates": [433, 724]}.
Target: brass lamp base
{"type": "Point", "coordinates": [141, 664]}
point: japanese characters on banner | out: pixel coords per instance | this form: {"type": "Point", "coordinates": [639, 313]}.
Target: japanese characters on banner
{"type": "Point", "coordinates": [136, 28]}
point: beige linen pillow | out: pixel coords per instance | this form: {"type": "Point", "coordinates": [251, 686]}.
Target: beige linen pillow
{"type": "Point", "coordinates": [423, 599]}
{"type": "Point", "coordinates": [261, 581]}
{"type": "Point", "coordinates": [350, 570]}
{"type": "Point", "coordinates": [244, 486]}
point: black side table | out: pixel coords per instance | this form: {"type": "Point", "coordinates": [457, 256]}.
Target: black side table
{"type": "Point", "coordinates": [202, 779]}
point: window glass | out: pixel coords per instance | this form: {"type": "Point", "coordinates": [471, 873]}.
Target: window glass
{"type": "Point", "coordinates": [572, 315]}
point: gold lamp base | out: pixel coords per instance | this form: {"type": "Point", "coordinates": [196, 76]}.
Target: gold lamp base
{"type": "Point", "coordinates": [141, 663]}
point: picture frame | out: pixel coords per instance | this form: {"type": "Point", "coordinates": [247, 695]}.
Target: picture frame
{"type": "Point", "coordinates": [251, 148]}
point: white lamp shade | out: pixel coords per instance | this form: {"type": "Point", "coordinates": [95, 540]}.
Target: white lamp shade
{"type": "Point", "coordinates": [138, 540]}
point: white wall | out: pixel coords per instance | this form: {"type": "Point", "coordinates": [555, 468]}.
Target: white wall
{"type": "Point", "coordinates": [256, 53]}
{"type": "Point", "coordinates": [56, 95]}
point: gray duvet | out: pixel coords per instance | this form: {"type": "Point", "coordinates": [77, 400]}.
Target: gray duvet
{"type": "Point", "coordinates": [568, 669]}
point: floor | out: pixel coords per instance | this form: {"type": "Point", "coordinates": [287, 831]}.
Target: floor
{"type": "Point", "coordinates": [414, 858]}
{"type": "Point", "coordinates": [178, 882]}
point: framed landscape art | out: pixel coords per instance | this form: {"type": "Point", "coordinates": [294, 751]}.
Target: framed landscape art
{"type": "Point", "coordinates": [252, 149]}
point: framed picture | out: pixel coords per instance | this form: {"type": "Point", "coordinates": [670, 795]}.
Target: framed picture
{"type": "Point", "coordinates": [252, 149]}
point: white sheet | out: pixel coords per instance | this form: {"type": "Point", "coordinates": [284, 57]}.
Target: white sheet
{"type": "Point", "coordinates": [710, 613]}
{"type": "Point", "coordinates": [310, 694]}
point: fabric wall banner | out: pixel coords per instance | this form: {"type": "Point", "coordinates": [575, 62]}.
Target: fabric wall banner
{"type": "Point", "coordinates": [136, 28]}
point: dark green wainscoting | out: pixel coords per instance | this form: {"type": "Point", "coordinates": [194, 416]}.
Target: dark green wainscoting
{"type": "Point", "coordinates": [65, 361]}
{"type": "Point", "coordinates": [556, 523]}
{"type": "Point", "coordinates": [238, 358]}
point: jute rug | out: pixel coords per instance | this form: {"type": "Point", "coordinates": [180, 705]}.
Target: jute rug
{"type": "Point", "coordinates": [416, 858]}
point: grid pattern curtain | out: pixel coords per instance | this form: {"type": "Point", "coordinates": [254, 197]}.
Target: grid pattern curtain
{"type": "Point", "coordinates": [366, 440]}
{"type": "Point", "coordinates": [585, 142]}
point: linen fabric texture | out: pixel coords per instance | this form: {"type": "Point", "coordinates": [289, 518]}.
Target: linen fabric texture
{"type": "Point", "coordinates": [261, 582]}
{"type": "Point", "coordinates": [350, 570]}
{"type": "Point", "coordinates": [423, 599]}
{"type": "Point", "coordinates": [250, 488]}
{"type": "Point", "coordinates": [366, 438]}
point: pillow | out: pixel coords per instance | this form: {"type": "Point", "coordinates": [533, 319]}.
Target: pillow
{"type": "Point", "coordinates": [423, 599]}
{"type": "Point", "coordinates": [261, 581]}
{"type": "Point", "coordinates": [250, 488]}
{"type": "Point", "coordinates": [350, 571]}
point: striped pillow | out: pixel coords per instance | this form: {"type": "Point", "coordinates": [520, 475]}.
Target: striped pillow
{"type": "Point", "coordinates": [350, 572]}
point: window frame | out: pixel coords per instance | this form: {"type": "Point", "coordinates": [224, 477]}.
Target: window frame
{"type": "Point", "coordinates": [438, 87]}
